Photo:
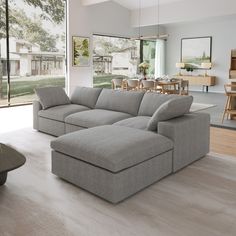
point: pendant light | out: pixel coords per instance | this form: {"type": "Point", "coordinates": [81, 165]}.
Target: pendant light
{"type": "Point", "coordinates": [152, 37]}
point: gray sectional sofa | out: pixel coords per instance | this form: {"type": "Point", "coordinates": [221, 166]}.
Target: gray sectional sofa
{"type": "Point", "coordinates": [115, 143]}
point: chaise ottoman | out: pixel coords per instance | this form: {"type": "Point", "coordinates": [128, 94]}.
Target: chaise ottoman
{"type": "Point", "coordinates": [110, 161]}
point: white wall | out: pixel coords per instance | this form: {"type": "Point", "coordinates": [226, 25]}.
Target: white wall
{"type": "Point", "coordinates": [106, 18]}
{"type": "Point", "coordinates": [223, 35]}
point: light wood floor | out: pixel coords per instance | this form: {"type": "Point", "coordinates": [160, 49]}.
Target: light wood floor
{"type": "Point", "coordinates": [223, 141]}
{"type": "Point", "coordinates": [199, 200]}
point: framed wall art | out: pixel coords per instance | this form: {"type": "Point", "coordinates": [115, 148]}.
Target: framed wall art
{"type": "Point", "coordinates": [80, 51]}
{"type": "Point", "coordinates": [195, 51]}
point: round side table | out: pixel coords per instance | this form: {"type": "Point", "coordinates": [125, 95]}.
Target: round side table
{"type": "Point", "coordinates": [10, 159]}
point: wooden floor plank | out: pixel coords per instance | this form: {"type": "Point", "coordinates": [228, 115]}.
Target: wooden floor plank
{"type": "Point", "coordinates": [223, 141]}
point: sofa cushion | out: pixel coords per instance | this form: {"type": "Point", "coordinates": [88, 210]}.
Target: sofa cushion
{"type": "Point", "coordinates": [85, 96]}
{"type": "Point", "coordinates": [96, 117]}
{"type": "Point", "coordinates": [123, 101]}
{"type": "Point", "coordinates": [152, 101]}
{"type": "Point", "coordinates": [52, 96]}
{"type": "Point", "coordinates": [138, 122]}
{"type": "Point", "coordinates": [59, 113]}
{"type": "Point", "coordinates": [111, 147]}
{"type": "Point", "coordinates": [170, 109]}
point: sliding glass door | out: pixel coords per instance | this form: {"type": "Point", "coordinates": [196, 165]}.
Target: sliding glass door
{"type": "Point", "coordinates": [36, 53]}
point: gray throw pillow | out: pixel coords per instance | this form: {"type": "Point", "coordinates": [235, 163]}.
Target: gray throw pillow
{"type": "Point", "coordinates": [171, 109]}
{"type": "Point", "coordinates": [85, 96]}
{"type": "Point", "coordinates": [52, 96]}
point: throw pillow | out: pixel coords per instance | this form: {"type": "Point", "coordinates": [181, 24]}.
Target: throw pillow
{"type": "Point", "coordinates": [170, 109]}
{"type": "Point", "coordinates": [85, 96]}
{"type": "Point", "coordinates": [52, 96]}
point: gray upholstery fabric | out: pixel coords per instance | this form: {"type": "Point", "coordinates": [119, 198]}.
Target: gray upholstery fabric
{"type": "Point", "coordinates": [190, 135]}
{"type": "Point", "coordinates": [53, 127]}
{"type": "Point", "coordinates": [36, 108]}
{"type": "Point", "coordinates": [85, 96]}
{"type": "Point", "coordinates": [113, 187]}
{"type": "Point", "coordinates": [72, 128]}
{"type": "Point", "coordinates": [52, 96]}
{"type": "Point", "coordinates": [138, 122]}
{"type": "Point", "coordinates": [170, 109]}
{"type": "Point", "coordinates": [95, 117]}
{"type": "Point", "coordinates": [61, 112]}
{"type": "Point", "coordinates": [152, 101]}
{"type": "Point", "coordinates": [112, 148]}
{"type": "Point", "coordinates": [122, 101]}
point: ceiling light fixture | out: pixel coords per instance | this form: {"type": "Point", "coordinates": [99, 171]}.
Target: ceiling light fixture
{"type": "Point", "coordinates": [152, 37]}
{"type": "Point", "coordinates": [139, 23]}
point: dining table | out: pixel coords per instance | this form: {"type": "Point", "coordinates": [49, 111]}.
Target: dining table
{"type": "Point", "coordinates": [168, 87]}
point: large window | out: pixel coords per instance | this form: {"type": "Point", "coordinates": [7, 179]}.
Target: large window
{"type": "Point", "coordinates": [114, 57]}
{"type": "Point", "coordinates": [32, 48]}
{"type": "Point", "coordinates": [149, 55]}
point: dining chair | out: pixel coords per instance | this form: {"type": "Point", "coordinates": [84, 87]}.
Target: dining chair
{"type": "Point", "coordinates": [230, 106]}
{"type": "Point", "coordinates": [133, 84]}
{"type": "Point", "coordinates": [117, 83]}
{"type": "Point", "coordinates": [148, 85]}
{"type": "Point", "coordinates": [183, 87]}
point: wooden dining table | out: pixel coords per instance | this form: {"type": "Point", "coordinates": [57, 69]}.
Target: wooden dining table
{"type": "Point", "coordinates": [164, 86]}
{"type": "Point", "coordinates": [169, 87]}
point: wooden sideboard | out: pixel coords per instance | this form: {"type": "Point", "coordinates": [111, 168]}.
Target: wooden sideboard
{"type": "Point", "coordinates": [204, 81]}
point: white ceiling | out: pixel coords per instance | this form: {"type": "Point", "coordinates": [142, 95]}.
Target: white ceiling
{"type": "Point", "coordinates": [172, 11]}
{"type": "Point", "coordinates": [134, 4]}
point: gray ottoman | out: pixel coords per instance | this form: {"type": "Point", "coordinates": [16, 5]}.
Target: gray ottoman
{"type": "Point", "coordinates": [110, 161]}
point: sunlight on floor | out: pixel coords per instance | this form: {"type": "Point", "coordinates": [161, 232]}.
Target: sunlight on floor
{"type": "Point", "coordinates": [15, 118]}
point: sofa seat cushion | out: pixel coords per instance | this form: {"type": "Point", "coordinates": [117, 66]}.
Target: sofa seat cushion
{"type": "Point", "coordinates": [111, 147]}
{"type": "Point", "coordinates": [138, 122]}
{"type": "Point", "coordinates": [59, 113]}
{"type": "Point", "coordinates": [96, 117]}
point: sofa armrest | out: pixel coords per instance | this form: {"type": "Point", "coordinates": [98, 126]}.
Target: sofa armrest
{"type": "Point", "coordinates": [191, 136]}
{"type": "Point", "coordinates": [36, 108]}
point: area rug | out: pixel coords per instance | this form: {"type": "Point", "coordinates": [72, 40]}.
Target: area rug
{"type": "Point", "coordinates": [200, 106]}
{"type": "Point", "coordinates": [198, 200]}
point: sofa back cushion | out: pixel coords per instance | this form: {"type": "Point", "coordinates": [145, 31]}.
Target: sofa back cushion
{"type": "Point", "coordinates": [52, 96]}
{"type": "Point", "coordinates": [173, 108]}
{"type": "Point", "coordinates": [151, 102]}
{"type": "Point", "coordinates": [85, 96]}
{"type": "Point", "coordinates": [122, 101]}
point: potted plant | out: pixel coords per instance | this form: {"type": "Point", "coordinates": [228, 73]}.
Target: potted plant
{"type": "Point", "coordinates": [189, 68]}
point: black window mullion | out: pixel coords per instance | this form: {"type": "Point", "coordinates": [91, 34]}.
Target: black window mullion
{"type": "Point", "coordinates": [8, 53]}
